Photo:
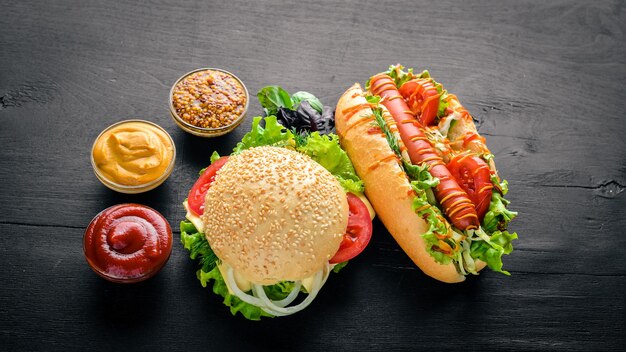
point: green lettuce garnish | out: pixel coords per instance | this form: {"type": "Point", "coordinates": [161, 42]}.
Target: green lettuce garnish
{"type": "Point", "coordinates": [236, 305]}
{"type": "Point", "coordinates": [351, 186]}
{"type": "Point", "coordinates": [340, 266]}
{"type": "Point", "coordinates": [280, 290]}
{"type": "Point", "coordinates": [443, 102]}
{"type": "Point", "coordinates": [197, 245]}
{"type": "Point", "coordinates": [214, 157]}
{"type": "Point", "coordinates": [498, 216]}
{"type": "Point", "coordinates": [501, 186]}
{"type": "Point", "coordinates": [496, 241]}
{"type": "Point", "coordinates": [326, 151]}
{"type": "Point", "coordinates": [199, 249]}
{"type": "Point", "coordinates": [399, 76]}
{"type": "Point", "coordinates": [420, 176]}
{"type": "Point", "coordinates": [433, 217]}
{"type": "Point", "coordinates": [272, 134]}
{"type": "Point", "coordinates": [491, 249]}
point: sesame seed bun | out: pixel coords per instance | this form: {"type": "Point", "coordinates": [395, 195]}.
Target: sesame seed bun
{"type": "Point", "coordinates": [274, 214]}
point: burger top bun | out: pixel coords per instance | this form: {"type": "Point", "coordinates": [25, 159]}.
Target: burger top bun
{"type": "Point", "coordinates": [274, 215]}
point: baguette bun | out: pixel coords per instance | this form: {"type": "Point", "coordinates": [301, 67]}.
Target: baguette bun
{"type": "Point", "coordinates": [274, 214]}
{"type": "Point", "coordinates": [386, 185]}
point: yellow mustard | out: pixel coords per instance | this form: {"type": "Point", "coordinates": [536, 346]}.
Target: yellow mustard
{"type": "Point", "coordinates": [133, 153]}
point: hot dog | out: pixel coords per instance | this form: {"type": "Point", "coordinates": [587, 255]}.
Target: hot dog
{"type": "Point", "coordinates": [454, 200]}
{"type": "Point", "coordinates": [427, 173]}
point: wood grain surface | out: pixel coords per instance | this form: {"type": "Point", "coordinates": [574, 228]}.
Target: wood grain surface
{"type": "Point", "coordinates": [544, 80]}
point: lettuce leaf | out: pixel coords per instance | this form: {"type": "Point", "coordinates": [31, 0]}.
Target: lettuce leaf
{"type": "Point", "coordinates": [399, 76]}
{"type": "Point", "coordinates": [274, 97]}
{"type": "Point", "coordinates": [420, 175]}
{"type": "Point", "coordinates": [498, 216]}
{"type": "Point", "coordinates": [197, 245]}
{"type": "Point", "coordinates": [494, 241]}
{"type": "Point", "coordinates": [491, 249]}
{"type": "Point", "coordinates": [272, 134]}
{"type": "Point", "coordinates": [326, 151]}
{"type": "Point", "coordinates": [340, 266]}
{"type": "Point", "coordinates": [502, 186]}
{"type": "Point", "coordinates": [351, 186]}
{"type": "Point", "coordinates": [236, 305]}
{"type": "Point", "coordinates": [214, 156]}
{"type": "Point", "coordinates": [280, 290]}
{"type": "Point", "coordinates": [433, 217]}
{"type": "Point", "coordinates": [199, 249]}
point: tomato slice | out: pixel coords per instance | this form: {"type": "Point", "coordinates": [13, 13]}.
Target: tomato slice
{"type": "Point", "coordinates": [358, 233]}
{"type": "Point", "coordinates": [195, 199]}
{"type": "Point", "coordinates": [473, 175]}
{"type": "Point", "coordinates": [423, 99]}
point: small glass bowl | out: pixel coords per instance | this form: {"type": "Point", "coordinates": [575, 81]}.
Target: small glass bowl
{"type": "Point", "coordinates": [132, 189]}
{"type": "Point", "coordinates": [115, 273]}
{"type": "Point", "coordinates": [207, 131]}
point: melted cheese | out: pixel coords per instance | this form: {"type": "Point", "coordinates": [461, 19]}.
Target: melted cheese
{"type": "Point", "coordinates": [370, 209]}
{"type": "Point", "coordinates": [195, 220]}
{"type": "Point", "coordinates": [243, 284]}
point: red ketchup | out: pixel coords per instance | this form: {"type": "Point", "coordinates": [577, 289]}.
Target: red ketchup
{"type": "Point", "coordinates": [128, 243]}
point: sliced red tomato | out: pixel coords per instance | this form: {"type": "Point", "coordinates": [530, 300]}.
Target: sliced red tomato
{"type": "Point", "coordinates": [357, 234]}
{"type": "Point", "coordinates": [423, 99]}
{"type": "Point", "coordinates": [472, 174]}
{"type": "Point", "coordinates": [195, 199]}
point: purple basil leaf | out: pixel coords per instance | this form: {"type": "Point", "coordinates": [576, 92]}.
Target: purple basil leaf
{"type": "Point", "coordinates": [328, 120]}
{"type": "Point", "coordinates": [307, 113]}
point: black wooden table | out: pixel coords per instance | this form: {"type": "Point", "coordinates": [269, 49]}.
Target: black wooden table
{"type": "Point", "coordinates": [545, 80]}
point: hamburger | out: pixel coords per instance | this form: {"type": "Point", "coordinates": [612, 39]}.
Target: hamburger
{"type": "Point", "coordinates": [273, 225]}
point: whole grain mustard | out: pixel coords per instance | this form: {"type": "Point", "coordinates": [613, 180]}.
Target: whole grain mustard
{"type": "Point", "coordinates": [209, 99]}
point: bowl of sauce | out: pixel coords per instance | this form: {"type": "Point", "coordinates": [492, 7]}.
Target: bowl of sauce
{"type": "Point", "coordinates": [208, 102]}
{"type": "Point", "coordinates": [127, 243]}
{"type": "Point", "coordinates": [133, 156]}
